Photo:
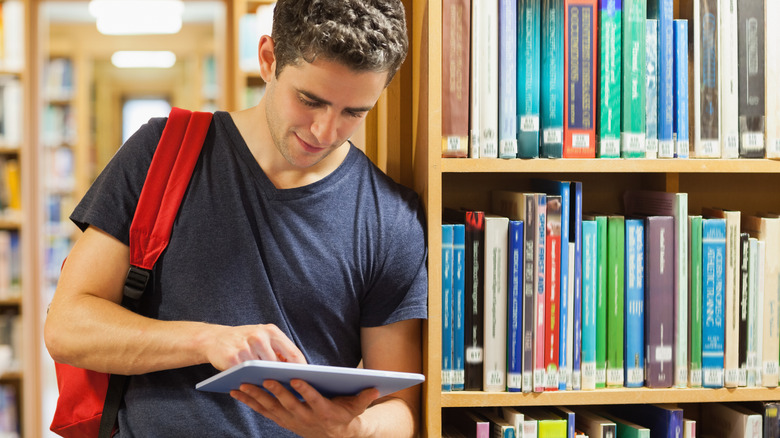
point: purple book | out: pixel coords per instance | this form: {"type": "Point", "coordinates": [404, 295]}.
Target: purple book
{"type": "Point", "coordinates": [659, 299]}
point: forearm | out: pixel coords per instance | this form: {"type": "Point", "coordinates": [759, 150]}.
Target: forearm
{"type": "Point", "coordinates": [391, 418]}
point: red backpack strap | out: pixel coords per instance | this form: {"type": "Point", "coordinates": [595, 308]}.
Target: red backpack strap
{"type": "Point", "coordinates": [166, 181]}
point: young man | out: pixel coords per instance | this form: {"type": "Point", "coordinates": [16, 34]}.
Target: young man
{"type": "Point", "coordinates": [289, 245]}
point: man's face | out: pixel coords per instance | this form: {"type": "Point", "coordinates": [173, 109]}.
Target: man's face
{"type": "Point", "coordinates": [313, 108]}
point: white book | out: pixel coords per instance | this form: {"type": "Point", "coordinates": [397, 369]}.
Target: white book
{"type": "Point", "coordinates": [515, 418]}
{"type": "Point", "coordinates": [13, 37]}
{"type": "Point", "coordinates": [488, 81]}
{"type": "Point", "coordinates": [731, 420]}
{"type": "Point", "coordinates": [729, 75]}
{"type": "Point", "coordinates": [772, 96]}
{"type": "Point", "coordinates": [474, 86]}
{"type": "Point", "coordinates": [760, 273]}
{"type": "Point", "coordinates": [704, 87]}
{"type": "Point", "coordinates": [495, 304]}
{"type": "Point", "coordinates": [753, 338]}
{"type": "Point", "coordinates": [689, 428]}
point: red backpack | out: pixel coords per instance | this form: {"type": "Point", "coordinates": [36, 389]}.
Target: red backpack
{"type": "Point", "coordinates": [89, 401]}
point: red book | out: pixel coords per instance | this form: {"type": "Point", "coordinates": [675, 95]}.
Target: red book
{"type": "Point", "coordinates": [552, 292]}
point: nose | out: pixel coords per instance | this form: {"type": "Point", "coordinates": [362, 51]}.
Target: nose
{"type": "Point", "coordinates": [325, 128]}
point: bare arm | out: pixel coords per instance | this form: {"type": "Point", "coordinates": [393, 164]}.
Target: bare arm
{"type": "Point", "coordinates": [87, 327]}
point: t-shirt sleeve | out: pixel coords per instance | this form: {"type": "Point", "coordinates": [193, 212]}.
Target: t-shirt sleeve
{"type": "Point", "coordinates": [110, 202]}
{"type": "Point", "coordinates": [400, 291]}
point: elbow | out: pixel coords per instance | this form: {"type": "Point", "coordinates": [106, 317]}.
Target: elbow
{"type": "Point", "coordinates": [54, 337]}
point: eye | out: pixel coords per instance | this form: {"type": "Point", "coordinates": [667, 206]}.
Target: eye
{"type": "Point", "coordinates": [309, 103]}
{"type": "Point", "coordinates": [356, 114]}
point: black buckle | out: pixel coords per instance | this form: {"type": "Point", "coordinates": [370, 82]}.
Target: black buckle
{"type": "Point", "coordinates": [135, 283]}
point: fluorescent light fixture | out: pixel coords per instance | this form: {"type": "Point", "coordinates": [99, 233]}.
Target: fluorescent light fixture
{"type": "Point", "coordinates": [136, 17]}
{"type": "Point", "coordinates": [143, 59]}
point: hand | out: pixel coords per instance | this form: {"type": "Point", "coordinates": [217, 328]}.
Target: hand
{"type": "Point", "coordinates": [316, 416]}
{"type": "Point", "coordinates": [228, 346]}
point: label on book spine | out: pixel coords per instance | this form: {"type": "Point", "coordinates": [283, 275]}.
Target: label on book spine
{"type": "Point", "coordinates": [514, 380]}
{"type": "Point", "coordinates": [682, 375]}
{"type": "Point", "coordinates": [473, 355]}
{"type": "Point", "coordinates": [615, 377]}
{"type": "Point", "coordinates": [610, 147]}
{"type": "Point", "coordinates": [695, 378]}
{"type": "Point", "coordinates": [633, 144]}
{"type": "Point", "coordinates": [581, 141]}
{"type": "Point", "coordinates": [553, 135]}
{"type": "Point", "coordinates": [601, 377]}
{"type": "Point", "coordinates": [529, 123]}
{"type": "Point", "coordinates": [713, 377]}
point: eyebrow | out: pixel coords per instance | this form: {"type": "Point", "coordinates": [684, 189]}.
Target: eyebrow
{"type": "Point", "coordinates": [322, 101]}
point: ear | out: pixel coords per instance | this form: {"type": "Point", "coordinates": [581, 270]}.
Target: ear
{"type": "Point", "coordinates": [265, 54]}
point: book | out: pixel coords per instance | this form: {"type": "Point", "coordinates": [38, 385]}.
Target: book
{"type": "Point", "coordinates": [730, 419]}
{"type": "Point", "coordinates": [507, 79]}
{"type": "Point", "coordinates": [689, 428]}
{"type": "Point", "coordinates": [625, 428]}
{"type": "Point", "coordinates": [525, 426]}
{"type": "Point", "coordinates": [772, 95]}
{"type": "Point", "coordinates": [767, 230]}
{"type": "Point", "coordinates": [728, 72]}
{"type": "Point", "coordinates": [455, 49]}
{"type": "Point", "coordinates": [528, 77]}
{"type": "Point", "coordinates": [750, 26]}
{"type": "Point", "coordinates": [495, 302]}
{"type": "Point", "coordinates": [488, 78]}
{"type": "Point", "coordinates": [681, 103]}
{"type": "Point", "coordinates": [634, 349]}
{"type": "Point", "coordinates": [459, 300]}
{"type": "Point", "coordinates": [447, 306]}
{"type": "Point", "coordinates": [659, 292]}
{"type": "Point", "coordinates": [601, 297]}
{"type": "Point", "coordinates": [552, 283]}
{"type": "Point", "coordinates": [467, 422]}
{"type": "Point", "coordinates": [575, 275]}
{"type": "Point", "coordinates": [475, 77]}
{"type": "Point", "coordinates": [595, 425]}
{"type": "Point", "coordinates": [616, 233]}
{"type": "Point", "coordinates": [769, 411]}
{"type": "Point", "coordinates": [694, 301]}
{"type": "Point", "coordinates": [565, 378]}
{"type": "Point", "coordinates": [568, 415]}
{"type": "Point", "coordinates": [549, 424]}
{"type": "Point", "coordinates": [579, 92]}
{"type": "Point", "coordinates": [551, 104]}
{"type": "Point", "coordinates": [589, 285]}
{"type": "Point", "coordinates": [713, 301]}
{"type": "Point", "coordinates": [632, 126]}
{"type": "Point", "coordinates": [499, 426]}
{"type": "Point", "coordinates": [610, 31]}
{"type": "Point", "coordinates": [731, 292]}
{"type": "Point", "coordinates": [474, 222]}
{"type": "Point", "coordinates": [663, 11]}
{"type": "Point", "coordinates": [743, 306]}
{"type": "Point", "coordinates": [515, 265]}
{"type": "Point", "coordinates": [651, 91]}
{"type": "Point", "coordinates": [753, 327]}
{"type": "Point", "coordinates": [663, 420]}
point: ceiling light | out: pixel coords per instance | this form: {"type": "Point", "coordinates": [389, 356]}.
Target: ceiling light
{"type": "Point", "coordinates": [135, 17]}
{"type": "Point", "coordinates": [143, 59]}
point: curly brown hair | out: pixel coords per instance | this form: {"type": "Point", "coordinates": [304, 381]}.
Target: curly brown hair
{"type": "Point", "coordinates": [364, 35]}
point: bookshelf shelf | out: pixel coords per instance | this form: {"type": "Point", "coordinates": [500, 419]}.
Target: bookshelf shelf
{"type": "Point", "coordinates": [546, 165]}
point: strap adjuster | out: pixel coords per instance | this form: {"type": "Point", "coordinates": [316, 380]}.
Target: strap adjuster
{"type": "Point", "coordinates": [135, 283]}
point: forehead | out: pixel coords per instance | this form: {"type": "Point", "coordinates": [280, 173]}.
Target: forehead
{"type": "Point", "coordinates": [334, 82]}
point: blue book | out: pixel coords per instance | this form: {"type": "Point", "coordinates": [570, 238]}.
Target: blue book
{"type": "Point", "coordinates": [713, 247]}
{"type": "Point", "coordinates": [651, 91]}
{"type": "Point", "coordinates": [515, 318]}
{"type": "Point", "coordinates": [551, 109]}
{"type": "Point", "coordinates": [528, 77]}
{"type": "Point", "coordinates": [507, 79]}
{"type": "Point", "coordinates": [575, 234]}
{"type": "Point", "coordinates": [562, 189]}
{"type": "Point", "coordinates": [459, 301]}
{"type": "Point", "coordinates": [663, 11]}
{"type": "Point", "coordinates": [589, 284]}
{"type": "Point", "coordinates": [664, 421]}
{"type": "Point", "coordinates": [634, 303]}
{"type": "Point", "coordinates": [447, 266]}
{"type": "Point", "coordinates": [681, 120]}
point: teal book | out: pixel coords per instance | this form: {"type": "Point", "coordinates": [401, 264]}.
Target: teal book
{"type": "Point", "coordinates": [713, 301]}
{"type": "Point", "coordinates": [632, 127]}
{"type": "Point", "coordinates": [634, 337]}
{"type": "Point", "coordinates": [616, 234]}
{"type": "Point", "coordinates": [551, 110]}
{"type": "Point", "coordinates": [601, 297]}
{"type": "Point", "coordinates": [663, 12]}
{"type": "Point", "coordinates": [528, 77]}
{"type": "Point", "coordinates": [447, 305]}
{"type": "Point", "coordinates": [610, 36]}
{"type": "Point", "coordinates": [458, 288]}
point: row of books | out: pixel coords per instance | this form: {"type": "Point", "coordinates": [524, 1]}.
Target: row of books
{"type": "Point", "coordinates": [609, 79]}
{"type": "Point", "coordinates": [733, 420]}
{"type": "Point", "coordinates": [9, 414]}
{"type": "Point", "coordinates": [10, 111]}
{"type": "Point", "coordinates": [10, 265]}
{"type": "Point", "coordinates": [11, 36]}
{"type": "Point", "coordinates": [10, 188]}
{"type": "Point", "coordinates": [539, 296]}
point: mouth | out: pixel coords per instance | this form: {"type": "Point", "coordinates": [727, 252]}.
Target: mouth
{"type": "Point", "coordinates": [308, 147]}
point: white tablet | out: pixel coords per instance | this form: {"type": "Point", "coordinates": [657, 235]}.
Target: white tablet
{"type": "Point", "coordinates": [330, 381]}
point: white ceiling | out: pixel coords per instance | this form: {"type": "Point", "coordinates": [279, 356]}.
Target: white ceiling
{"type": "Point", "coordinates": [78, 11]}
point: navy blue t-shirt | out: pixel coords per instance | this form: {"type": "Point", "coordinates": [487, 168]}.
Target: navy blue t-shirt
{"type": "Point", "coordinates": [319, 261]}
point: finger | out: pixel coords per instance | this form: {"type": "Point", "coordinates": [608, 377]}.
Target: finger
{"type": "Point", "coordinates": [286, 398]}
{"type": "Point", "coordinates": [256, 398]}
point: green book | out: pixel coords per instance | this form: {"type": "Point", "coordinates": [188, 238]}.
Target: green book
{"type": "Point", "coordinates": [601, 298]}
{"type": "Point", "coordinates": [549, 424]}
{"type": "Point", "coordinates": [610, 18]}
{"type": "Point", "coordinates": [625, 428]}
{"type": "Point", "coordinates": [632, 144]}
{"type": "Point", "coordinates": [616, 237]}
{"type": "Point", "coordinates": [694, 297]}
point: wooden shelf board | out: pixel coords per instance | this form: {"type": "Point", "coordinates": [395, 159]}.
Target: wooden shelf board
{"type": "Point", "coordinates": [604, 165]}
{"type": "Point", "coordinates": [607, 396]}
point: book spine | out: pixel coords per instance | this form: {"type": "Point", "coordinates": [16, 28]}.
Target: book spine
{"type": "Point", "coordinates": [616, 232]}
{"type": "Point", "coordinates": [475, 94]}
{"type": "Point", "coordinates": [706, 81]}
{"type": "Point", "coordinates": [515, 311]}
{"type": "Point", "coordinates": [634, 303]}
{"type": "Point", "coordinates": [610, 29]}
{"type": "Point", "coordinates": [475, 262]}
{"type": "Point", "coordinates": [455, 24]}
{"type": "Point", "coordinates": [552, 79]}
{"type": "Point", "coordinates": [589, 285]}
{"type": "Point", "coordinates": [680, 205]}
{"type": "Point", "coordinates": [575, 233]}
{"type": "Point", "coordinates": [743, 306]}
{"type": "Point", "coordinates": [458, 289]}
{"type": "Point", "coordinates": [552, 292]}
{"type": "Point", "coordinates": [539, 297]}
{"type": "Point", "coordinates": [601, 303]}
{"type": "Point", "coordinates": [528, 77]}
{"type": "Point", "coordinates": [760, 303]}
{"type": "Point", "coordinates": [714, 266]}
{"type": "Point", "coordinates": [632, 130]}
{"type": "Point", "coordinates": [566, 382]}
{"type": "Point", "coordinates": [651, 91]}
{"type": "Point", "coordinates": [772, 94]}
{"type": "Point", "coordinates": [681, 116]}
{"type": "Point", "coordinates": [771, 286]}
{"type": "Point", "coordinates": [665, 16]}
{"type": "Point", "coordinates": [495, 302]}
{"type": "Point", "coordinates": [507, 80]}
{"type": "Point", "coordinates": [659, 292]}
{"type": "Point", "coordinates": [446, 306]}
{"type": "Point", "coordinates": [694, 300]}
{"type": "Point", "coordinates": [530, 255]}
{"type": "Point", "coordinates": [488, 84]}
{"type": "Point", "coordinates": [580, 37]}
{"type": "Point", "coordinates": [727, 66]}
{"type": "Point", "coordinates": [753, 338]}
{"type": "Point", "coordinates": [750, 16]}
